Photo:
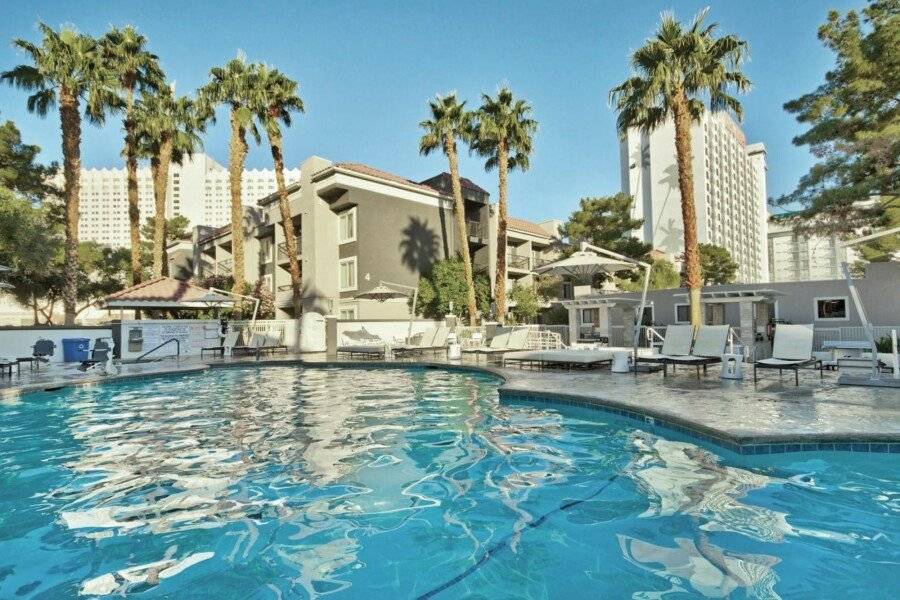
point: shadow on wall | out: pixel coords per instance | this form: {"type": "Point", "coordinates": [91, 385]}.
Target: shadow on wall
{"type": "Point", "coordinates": [314, 300]}
{"type": "Point", "coordinates": [419, 245]}
{"type": "Point", "coordinates": [669, 235]}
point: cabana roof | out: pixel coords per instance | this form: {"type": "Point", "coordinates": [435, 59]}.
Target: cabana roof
{"type": "Point", "coordinates": [734, 295]}
{"type": "Point", "coordinates": [169, 293]}
{"type": "Point", "coordinates": [594, 301]}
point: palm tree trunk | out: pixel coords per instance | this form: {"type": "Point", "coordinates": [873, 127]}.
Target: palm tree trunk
{"type": "Point", "coordinates": [460, 212]}
{"type": "Point", "coordinates": [70, 122]}
{"type": "Point", "coordinates": [500, 278]}
{"type": "Point", "coordinates": [688, 211]}
{"type": "Point", "coordinates": [238, 153]}
{"type": "Point", "coordinates": [134, 209]}
{"type": "Point", "coordinates": [287, 223]}
{"type": "Point", "coordinates": [159, 166]}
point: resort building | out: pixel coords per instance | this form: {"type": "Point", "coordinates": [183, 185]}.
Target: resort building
{"type": "Point", "coordinates": [199, 190]}
{"type": "Point", "coordinates": [750, 309]}
{"type": "Point", "coordinates": [799, 257]}
{"type": "Point", "coordinates": [729, 190]}
{"type": "Point", "coordinates": [357, 226]}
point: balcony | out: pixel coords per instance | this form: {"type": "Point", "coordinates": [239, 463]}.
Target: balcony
{"type": "Point", "coordinates": [476, 229]}
{"type": "Point", "coordinates": [517, 261]}
{"type": "Point", "coordinates": [284, 296]}
{"type": "Point", "coordinates": [538, 262]}
{"type": "Point", "coordinates": [283, 251]}
{"type": "Point", "coordinates": [223, 267]}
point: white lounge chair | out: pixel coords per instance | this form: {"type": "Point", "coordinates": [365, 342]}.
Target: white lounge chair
{"type": "Point", "coordinates": [501, 343]}
{"type": "Point", "coordinates": [561, 358]}
{"type": "Point", "coordinates": [426, 342]}
{"type": "Point", "coordinates": [678, 342]}
{"type": "Point", "coordinates": [362, 343]}
{"type": "Point", "coordinates": [709, 346]}
{"type": "Point", "coordinates": [791, 349]}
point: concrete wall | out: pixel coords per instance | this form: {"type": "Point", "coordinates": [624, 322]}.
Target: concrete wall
{"type": "Point", "coordinates": [16, 342]}
{"type": "Point", "coordinates": [388, 330]}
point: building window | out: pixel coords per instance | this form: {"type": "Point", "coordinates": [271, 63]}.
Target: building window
{"type": "Point", "coordinates": [347, 314]}
{"type": "Point", "coordinates": [347, 226]}
{"type": "Point", "coordinates": [831, 309]}
{"type": "Point", "coordinates": [347, 270]}
{"type": "Point", "coordinates": [682, 313]}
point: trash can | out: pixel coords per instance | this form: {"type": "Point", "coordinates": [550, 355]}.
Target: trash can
{"type": "Point", "coordinates": [75, 349]}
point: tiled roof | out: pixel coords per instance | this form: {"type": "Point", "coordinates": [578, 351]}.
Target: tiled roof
{"type": "Point", "coordinates": [378, 173]}
{"type": "Point", "coordinates": [442, 182]}
{"type": "Point", "coordinates": [161, 289]}
{"type": "Point", "coordinates": [523, 226]}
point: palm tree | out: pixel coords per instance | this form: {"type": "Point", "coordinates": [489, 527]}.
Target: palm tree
{"type": "Point", "coordinates": [166, 130]}
{"type": "Point", "coordinates": [503, 132]}
{"type": "Point", "coordinates": [449, 121]}
{"type": "Point", "coordinates": [126, 56]}
{"type": "Point", "coordinates": [66, 69]}
{"type": "Point", "coordinates": [233, 85]}
{"type": "Point", "coordinates": [673, 71]}
{"type": "Point", "coordinates": [275, 97]}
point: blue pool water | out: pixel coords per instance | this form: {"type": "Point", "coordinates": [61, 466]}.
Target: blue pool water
{"type": "Point", "coordinates": [284, 482]}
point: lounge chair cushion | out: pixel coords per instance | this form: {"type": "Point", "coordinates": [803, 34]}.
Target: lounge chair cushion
{"type": "Point", "coordinates": [678, 340]}
{"type": "Point", "coordinates": [779, 362]}
{"type": "Point", "coordinates": [710, 341]}
{"type": "Point", "coordinates": [793, 342]}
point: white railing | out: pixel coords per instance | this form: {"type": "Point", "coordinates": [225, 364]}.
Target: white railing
{"type": "Point", "coordinates": [849, 334]}
{"type": "Point", "coordinates": [285, 331]}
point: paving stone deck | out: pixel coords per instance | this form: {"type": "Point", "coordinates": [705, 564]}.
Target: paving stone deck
{"type": "Point", "coordinates": [773, 416]}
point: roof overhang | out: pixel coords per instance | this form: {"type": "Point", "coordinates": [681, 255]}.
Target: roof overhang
{"type": "Point", "coordinates": [598, 301]}
{"type": "Point", "coordinates": [735, 295]}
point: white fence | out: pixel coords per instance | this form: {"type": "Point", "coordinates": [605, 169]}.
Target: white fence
{"type": "Point", "coordinates": [17, 342]}
{"type": "Point", "coordinates": [540, 337]}
{"type": "Point", "coordinates": [286, 331]}
{"type": "Point", "coordinates": [388, 330]}
{"type": "Point", "coordinates": [849, 334]}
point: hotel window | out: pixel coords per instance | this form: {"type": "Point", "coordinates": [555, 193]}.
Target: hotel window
{"type": "Point", "coordinates": [682, 313]}
{"type": "Point", "coordinates": [831, 309]}
{"type": "Point", "coordinates": [347, 226]}
{"type": "Point", "coordinates": [347, 314]}
{"type": "Point", "coordinates": [347, 271]}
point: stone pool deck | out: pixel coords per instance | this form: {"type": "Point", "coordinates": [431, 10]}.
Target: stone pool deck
{"type": "Point", "coordinates": [773, 416]}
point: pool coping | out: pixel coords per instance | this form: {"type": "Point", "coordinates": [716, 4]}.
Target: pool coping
{"type": "Point", "coordinates": [644, 415]}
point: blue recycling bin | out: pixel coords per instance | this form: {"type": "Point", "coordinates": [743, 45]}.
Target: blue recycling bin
{"type": "Point", "coordinates": [75, 349]}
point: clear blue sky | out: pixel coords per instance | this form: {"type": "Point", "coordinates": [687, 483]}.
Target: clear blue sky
{"type": "Point", "coordinates": [367, 69]}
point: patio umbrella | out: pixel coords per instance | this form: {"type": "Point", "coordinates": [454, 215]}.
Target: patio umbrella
{"type": "Point", "coordinates": [383, 292]}
{"type": "Point", "coordinates": [593, 260]}
{"type": "Point", "coordinates": [583, 265]}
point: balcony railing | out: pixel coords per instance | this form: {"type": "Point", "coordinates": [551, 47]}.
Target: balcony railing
{"type": "Point", "coordinates": [517, 261]}
{"type": "Point", "coordinates": [223, 267]}
{"type": "Point", "coordinates": [537, 262]}
{"type": "Point", "coordinates": [475, 229]}
{"type": "Point", "coordinates": [283, 251]}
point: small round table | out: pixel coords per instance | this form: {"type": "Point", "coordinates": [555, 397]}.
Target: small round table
{"type": "Point", "coordinates": [620, 362]}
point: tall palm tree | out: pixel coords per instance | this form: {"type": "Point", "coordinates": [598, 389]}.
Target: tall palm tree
{"type": "Point", "coordinates": [275, 97]}
{"type": "Point", "coordinates": [166, 129]}
{"type": "Point", "coordinates": [135, 68]}
{"type": "Point", "coordinates": [673, 71]}
{"type": "Point", "coordinates": [450, 121]}
{"type": "Point", "coordinates": [66, 70]}
{"type": "Point", "coordinates": [503, 133]}
{"type": "Point", "coordinates": [233, 85]}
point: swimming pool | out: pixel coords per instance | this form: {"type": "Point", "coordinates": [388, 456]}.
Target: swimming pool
{"type": "Point", "coordinates": [290, 482]}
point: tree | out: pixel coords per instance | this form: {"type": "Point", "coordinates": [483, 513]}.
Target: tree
{"type": "Point", "coordinates": [66, 69]}
{"type": "Point", "coordinates": [134, 68]}
{"type": "Point", "coordinates": [673, 72]}
{"type": "Point", "coordinates": [275, 97]}
{"type": "Point", "coordinates": [166, 130]}
{"type": "Point", "coordinates": [606, 221]}
{"type": "Point", "coordinates": [716, 265]}
{"type": "Point", "coordinates": [503, 133]}
{"type": "Point", "coordinates": [450, 121]}
{"type": "Point", "coordinates": [262, 293]}
{"type": "Point", "coordinates": [853, 119]}
{"type": "Point", "coordinates": [232, 85]}
{"type": "Point", "coordinates": [19, 173]}
{"type": "Point", "coordinates": [663, 276]}
{"type": "Point", "coordinates": [445, 284]}
{"type": "Point", "coordinates": [526, 303]}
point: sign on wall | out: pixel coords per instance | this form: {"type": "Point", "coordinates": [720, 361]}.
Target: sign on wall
{"type": "Point", "coordinates": [143, 336]}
